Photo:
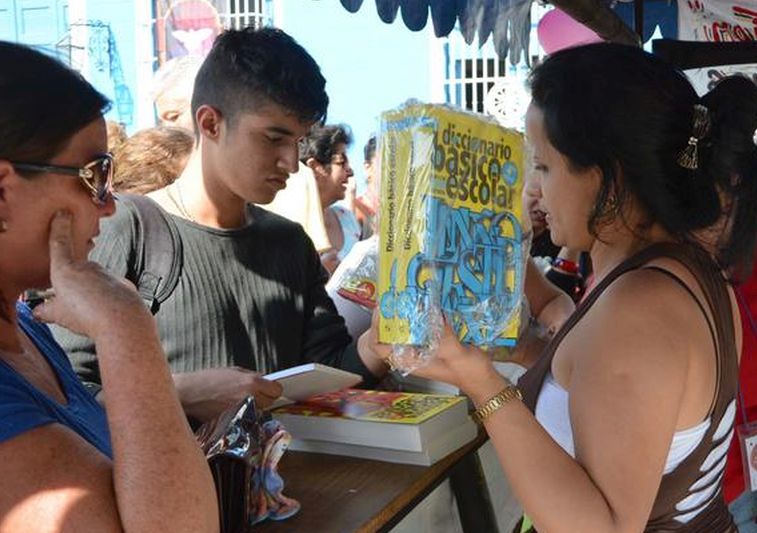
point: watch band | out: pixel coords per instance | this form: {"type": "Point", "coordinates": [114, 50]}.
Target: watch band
{"type": "Point", "coordinates": [510, 392]}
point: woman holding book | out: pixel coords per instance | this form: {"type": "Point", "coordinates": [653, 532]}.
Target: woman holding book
{"type": "Point", "coordinates": [64, 466]}
{"type": "Point", "coordinates": [626, 418]}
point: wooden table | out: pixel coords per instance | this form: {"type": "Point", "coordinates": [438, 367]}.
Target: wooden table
{"type": "Point", "coordinates": [350, 495]}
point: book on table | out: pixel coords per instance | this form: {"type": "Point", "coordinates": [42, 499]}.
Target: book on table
{"type": "Point", "coordinates": [391, 426]}
{"type": "Point", "coordinates": [303, 381]}
{"type": "Point", "coordinates": [437, 449]}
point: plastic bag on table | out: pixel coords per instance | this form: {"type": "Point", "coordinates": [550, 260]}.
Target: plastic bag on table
{"type": "Point", "coordinates": [243, 452]}
{"type": "Point", "coordinates": [451, 240]}
{"type": "Point", "coordinates": [355, 277]}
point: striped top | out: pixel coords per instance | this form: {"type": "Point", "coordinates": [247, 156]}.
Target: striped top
{"type": "Point", "coordinates": [690, 495]}
{"type": "Point", "coordinates": [251, 297]}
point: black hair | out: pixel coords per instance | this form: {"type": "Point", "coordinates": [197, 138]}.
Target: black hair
{"type": "Point", "coordinates": [322, 141]}
{"type": "Point", "coordinates": [631, 114]}
{"type": "Point", "coordinates": [733, 156]}
{"type": "Point", "coordinates": [370, 148]}
{"type": "Point", "coordinates": [248, 68]}
{"type": "Point", "coordinates": [43, 103]}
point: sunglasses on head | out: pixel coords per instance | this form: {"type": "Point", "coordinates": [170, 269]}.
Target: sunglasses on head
{"type": "Point", "coordinates": [97, 175]}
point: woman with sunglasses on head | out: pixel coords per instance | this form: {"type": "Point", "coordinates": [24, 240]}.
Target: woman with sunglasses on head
{"type": "Point", "coordinates": [64, 466]}
{"type": "Point", "coordinates": [624, 422]}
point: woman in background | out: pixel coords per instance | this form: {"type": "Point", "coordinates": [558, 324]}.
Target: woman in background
{"type": "Point", "coordinates": [64, 466]}
{"type": "Point", "coordinates": [324, 151]}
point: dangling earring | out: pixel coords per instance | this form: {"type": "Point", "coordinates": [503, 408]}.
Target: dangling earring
{"type": "Point", "coordinates": [3, 226]}
{"type": "Point", "coordinates": [609, 208]}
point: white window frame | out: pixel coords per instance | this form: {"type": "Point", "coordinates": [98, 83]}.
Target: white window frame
{"type": "Point", "coordinates": [452, 59]}
{"type": "Point", "coordinates": [242, 13]}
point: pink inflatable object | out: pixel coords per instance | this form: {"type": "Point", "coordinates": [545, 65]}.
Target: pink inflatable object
{"type": "Point", "coordinates": [557, 30]}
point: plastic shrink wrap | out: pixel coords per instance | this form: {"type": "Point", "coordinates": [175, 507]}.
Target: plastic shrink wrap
{"type": "Point", "coordinates": [451, 242]}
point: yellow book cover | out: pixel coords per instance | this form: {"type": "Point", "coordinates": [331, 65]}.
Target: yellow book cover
{"type": "Point", "coordinates": [373, 406]}
{"type": "Point", "coordinates": [450, 228]}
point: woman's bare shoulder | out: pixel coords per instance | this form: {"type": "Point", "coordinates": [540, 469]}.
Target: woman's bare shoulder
{"type": "Point", "coordinates": [643, 321]}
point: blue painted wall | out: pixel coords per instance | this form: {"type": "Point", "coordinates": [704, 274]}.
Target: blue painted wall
{"type": "Point", "coordinates": [112, 62]}
{"type": "Point", "coordinates": [111, 65]}
{"type": "Point", "coordinates": [39, 23]}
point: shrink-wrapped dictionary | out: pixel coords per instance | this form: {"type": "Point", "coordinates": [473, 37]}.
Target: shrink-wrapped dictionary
{"type": "Point", "coordinates": [451, 241]}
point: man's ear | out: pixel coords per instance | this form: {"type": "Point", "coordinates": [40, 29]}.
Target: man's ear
{"type": "Point", "coordinates": [208, 121]}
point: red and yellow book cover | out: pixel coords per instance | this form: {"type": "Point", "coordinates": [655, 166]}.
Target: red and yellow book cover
{"type": "Point", "coordinates": [373, 406]}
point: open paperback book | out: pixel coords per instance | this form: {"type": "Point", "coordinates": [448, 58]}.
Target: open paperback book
{"type": "Point", "coordinates": [378, 419]}
{"type": "Point", "coordinates": [303, 381]}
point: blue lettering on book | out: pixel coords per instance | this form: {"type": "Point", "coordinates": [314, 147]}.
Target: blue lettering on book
{"type": "Point", "coordinates": [472, 258]}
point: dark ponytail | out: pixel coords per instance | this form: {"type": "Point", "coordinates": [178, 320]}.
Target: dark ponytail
{"type": "Point", "coordinates": [632, 115]}
{"type": "Point", "coordinates": [730, 160]}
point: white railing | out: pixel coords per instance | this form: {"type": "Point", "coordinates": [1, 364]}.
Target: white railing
{"type": "Point", "coordinates": [465, 74]}
{"type": "Point", "coordinates": [242, 13]}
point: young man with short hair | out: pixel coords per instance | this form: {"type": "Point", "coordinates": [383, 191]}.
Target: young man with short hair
{"type": "Point", "coordinates": [251, 297]}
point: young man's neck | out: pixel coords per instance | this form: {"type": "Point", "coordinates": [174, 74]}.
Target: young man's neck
{"type": "Point", "coordinates": [197, 197]}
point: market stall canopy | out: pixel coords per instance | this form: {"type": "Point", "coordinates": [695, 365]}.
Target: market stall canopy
{"type": "Point", "coordinates": [508, 22]}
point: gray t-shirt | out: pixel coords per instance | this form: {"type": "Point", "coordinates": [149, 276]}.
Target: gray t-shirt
{"type": "Point", "coordinates": [252, 297]}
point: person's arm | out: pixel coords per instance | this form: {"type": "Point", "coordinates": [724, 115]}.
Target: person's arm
{"type": "Point", "coordinates": [205, 394]}
{"type": "Point", "coordinates": [78, 483]}
{"type": "Point", "coordinates": [330, 260]}
{"type": "Point", "coordinates": [159, 479]}
{"type": "Point", "coordinates": [625, 366]}
{"type": "Point", "coordinates": [549, 305]}
{"type": "Point", "coordinates": [626, 390]}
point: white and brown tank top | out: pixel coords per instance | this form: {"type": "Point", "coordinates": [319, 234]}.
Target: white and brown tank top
{"type": "Point", "coordinates": [690, 496]}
